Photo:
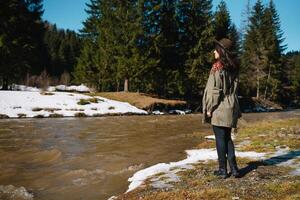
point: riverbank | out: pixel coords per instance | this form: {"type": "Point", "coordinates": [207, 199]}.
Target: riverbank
{"type": "Point", "coordinates": [80, 101]}
{"type": "Point", "coordinates": [274, 174]}
{"type": "Point", "coordinates": [40, 104]}
{"type": "Point", "coordinates": [144, 101]}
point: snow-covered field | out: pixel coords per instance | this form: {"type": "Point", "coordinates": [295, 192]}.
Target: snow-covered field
{"type": "Point", "coordinates": [35, 103]}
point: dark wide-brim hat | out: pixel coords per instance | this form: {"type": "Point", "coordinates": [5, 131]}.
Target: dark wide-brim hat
{"type": "Point", "coordinates": [225, 44]}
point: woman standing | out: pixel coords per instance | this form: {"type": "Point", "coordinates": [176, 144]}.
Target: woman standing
{"type": "Point", "coordinates": [220, 105]}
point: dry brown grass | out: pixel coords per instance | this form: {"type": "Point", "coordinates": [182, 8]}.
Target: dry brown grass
{"type": "Point", "coordinates": [265, 136]}
{"type": "Point", "coordinates": [266, 182]}
{"type": "Point", "coordinates": [140, 100]}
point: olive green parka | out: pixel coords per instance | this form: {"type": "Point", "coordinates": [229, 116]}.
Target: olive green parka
{"type": "Point", "coordinates": [220, 98]}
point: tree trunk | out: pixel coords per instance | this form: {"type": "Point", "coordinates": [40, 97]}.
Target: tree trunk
{"type": "Point", "coordinates": [118, 85]}
{"type": "Point", "coordinates": [266, 89]}
{"type": "Point", "coordinates": [257, 84]}
{"type": "Point", "coordinates": [126, 85]}
{"type": "Point", "coordinates": [4, 83]}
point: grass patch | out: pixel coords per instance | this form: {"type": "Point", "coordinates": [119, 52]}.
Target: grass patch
{"type": "Point", "coordinates": [51, 109]}
{"type": "Point", "coordinates": [212, 193]}
{"type": "Point", "coordinates": [284, 189]}
{"type": "Point", "coordinates": [47, 93]}
{"type": "Point", "coordinates": [140, 100]}
{"type": "Point", "coordinates": [94, 100]}
{"type": "Point", "coordinates": [88, 101]}
{"type": "Point", "coordinates": [111, 108]}
{"type": "Point", "coordinates": [206, 144]}
{"type": "Point", "coordinates": [3, 116]}
{"type": "Point", "coordinates": [262, 182]}
{"type": "Point", "coordinates": [266, 182]}
{"type": "Point", "coordinates": [37, 109]}
{"type": "Point", "coordinates": [38, 116]}
{"type": "Point", "coordinates": [75, 109]}
{"type": "Point", "coordinates": [266, 136]}
{"type": "Point", "coordinates": [55, 115]}
{"type": "Point", "coordinates": [83, 102]}
{"type": "Point", "coordinates": [80, 114]}
{"type": "Point", "coordinates": [21, 115]}
{"type": "Point", "coordinates": [98, 115]}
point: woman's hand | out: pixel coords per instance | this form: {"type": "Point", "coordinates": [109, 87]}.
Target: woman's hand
{"type": "Point", "coordinates": [208, 114]}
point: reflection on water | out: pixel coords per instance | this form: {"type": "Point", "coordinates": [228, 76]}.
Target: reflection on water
{"type": "Point", "coordinates": [92, 158]}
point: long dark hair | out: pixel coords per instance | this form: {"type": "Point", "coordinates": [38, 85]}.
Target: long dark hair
{"type": "Point", "coordinates": [229, 60]}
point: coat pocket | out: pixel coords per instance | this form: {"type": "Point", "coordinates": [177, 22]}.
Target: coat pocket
{"type": "Point", "coordinates": [215, 98]}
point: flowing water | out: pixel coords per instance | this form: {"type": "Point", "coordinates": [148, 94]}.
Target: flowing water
{"type": "Point", "coordinates": [92, 158]}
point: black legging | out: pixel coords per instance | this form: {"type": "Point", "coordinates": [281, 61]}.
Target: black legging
{"type": "Point", "coordinates": [224, 143]}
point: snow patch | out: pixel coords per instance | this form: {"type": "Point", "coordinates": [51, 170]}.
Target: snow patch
{"type": "Point", "coordinates": [73, 88]}
{"type": "Point", "coordinates": [31, 104]}
{"type": "Point", "coordinates": [112, 198]}
{"type": "Point", "coordinates": [24, 88]}
{"type": "Point", "coordinates": [80, 88]}
{"type": "Point", "coordinates": [210, 137]}
{"type": "Point", "coordinates": [193, 156]}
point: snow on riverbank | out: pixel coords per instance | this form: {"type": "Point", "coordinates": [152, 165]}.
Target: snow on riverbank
{"type": "Point", "coordinates": [167, 172]}
{"type": "Point", "coordinates": [31, 104]}
{"type": "Point", "coordinates": [193, 156]}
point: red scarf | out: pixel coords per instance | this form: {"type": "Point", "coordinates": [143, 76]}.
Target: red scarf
{"type": "Point", "coordinates": [216, 66]}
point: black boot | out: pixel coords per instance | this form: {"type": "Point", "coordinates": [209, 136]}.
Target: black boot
{"type": "Point", "coordinates": [222, 172]}
{"type": "Point", "coordinates": [234, 168]}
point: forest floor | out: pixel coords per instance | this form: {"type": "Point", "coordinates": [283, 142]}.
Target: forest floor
{"type": "Point", "coordinates": [274, 176]}
{"type": "Point", "coordinates": [142, 100]}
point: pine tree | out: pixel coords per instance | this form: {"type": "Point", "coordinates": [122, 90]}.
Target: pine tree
{"type": "Point", "coordinates": [254, 52]}
{"type": "Point", "coordinates": [112, 49]}
{"type": "Point", "coordinates": [274, 49]}
{"type": "Point", "coordinates": [161, 39]}
{"type": "Point", "coordinates": [222, 21]}
{"type": "Point", "coordinates": [88, 68]}
{"type": "Point", "coordinates": [128, 58]}
{"type": "Point", "coordinates": [63, 48]}
{"type": "Point", "coordinates": [21, 34]}
{"type": "Point", "coordinates": [167, 40]}
{"type": "Point", "coordinates": [196, 38]}
{"type": "Point", "coordinates": [295, 75]}
{"type": "Point", "coordinates": [245, 22]}
{"type": "Point", "coordinates": [291, 78]}
{"type": "Point", "coordinates": [224, 28]}
{"type": "Point", "coordinates": [151, 12]}
{"type": "Point", "coordinates": [235, 37]}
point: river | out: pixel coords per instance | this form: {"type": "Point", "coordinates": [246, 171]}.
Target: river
{"type": "Point", "coordinates": [92, 158]}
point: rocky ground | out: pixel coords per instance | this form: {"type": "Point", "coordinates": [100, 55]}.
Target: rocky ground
{"type": "Point", "coordinates": [276, 176]}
